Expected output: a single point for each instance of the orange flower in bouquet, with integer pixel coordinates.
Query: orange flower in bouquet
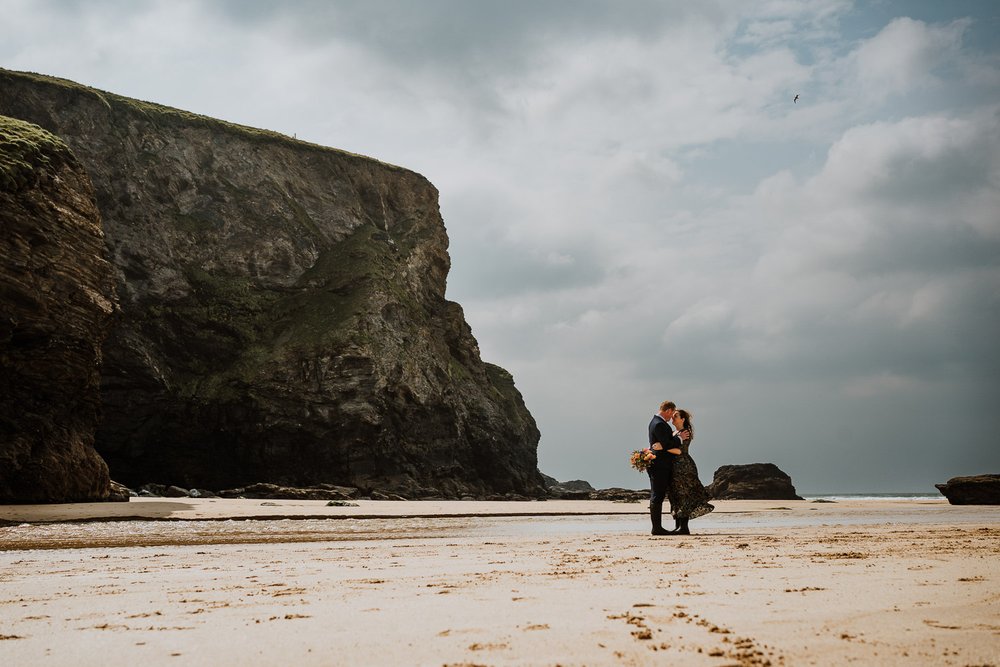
(642, 459)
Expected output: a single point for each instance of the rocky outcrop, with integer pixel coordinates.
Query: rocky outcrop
(554, 484)
(579, 489)
(576, 485)
(119, 493)
(284, 317)
(576, 489)
(755, 481)
(973, 490)
(56, 303)
(620, 495)
(273, 491)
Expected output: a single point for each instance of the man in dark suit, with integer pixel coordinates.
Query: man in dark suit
(666, 446)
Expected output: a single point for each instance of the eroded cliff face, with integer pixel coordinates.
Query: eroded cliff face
(56, 303)
(283, 311)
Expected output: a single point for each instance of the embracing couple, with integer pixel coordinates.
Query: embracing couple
(673, 474)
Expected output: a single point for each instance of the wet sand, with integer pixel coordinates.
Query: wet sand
(220, 582)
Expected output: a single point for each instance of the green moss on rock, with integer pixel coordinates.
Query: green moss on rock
(25, 151)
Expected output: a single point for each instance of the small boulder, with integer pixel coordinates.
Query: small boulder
(119, 493)
(972, 490)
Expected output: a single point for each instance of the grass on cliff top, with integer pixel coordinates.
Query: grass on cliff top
(166, 114)
(24, 149)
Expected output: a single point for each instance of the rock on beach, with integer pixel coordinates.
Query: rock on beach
(972, 490)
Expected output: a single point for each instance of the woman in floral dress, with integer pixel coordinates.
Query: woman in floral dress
(688, 498)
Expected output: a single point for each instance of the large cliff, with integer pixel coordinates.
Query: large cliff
(283, 311)
(56, 303)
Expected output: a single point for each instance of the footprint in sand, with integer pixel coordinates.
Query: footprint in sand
(488, 646)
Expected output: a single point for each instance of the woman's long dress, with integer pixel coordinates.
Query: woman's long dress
(688, 498)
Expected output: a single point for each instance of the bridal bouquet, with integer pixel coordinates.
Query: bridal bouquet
(642, 458)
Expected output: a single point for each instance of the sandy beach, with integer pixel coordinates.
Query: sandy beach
(249, 582)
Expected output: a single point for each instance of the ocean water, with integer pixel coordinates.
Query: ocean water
(872, 496)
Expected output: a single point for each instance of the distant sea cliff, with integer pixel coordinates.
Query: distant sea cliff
(282, 311)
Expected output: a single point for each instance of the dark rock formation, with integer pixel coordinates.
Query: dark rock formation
(576, 485)
(274, 492)
(56, 302)
(284, 317)
(579, 489)
(378, 495)
(576, 489)
(565, 494)
(973, 490)
(549, 481)
(119, 493)
(620, 495)
(755, 481)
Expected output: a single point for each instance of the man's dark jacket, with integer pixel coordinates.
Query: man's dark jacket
(660, 431)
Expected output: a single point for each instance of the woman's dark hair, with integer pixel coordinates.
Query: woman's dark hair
(686, 416)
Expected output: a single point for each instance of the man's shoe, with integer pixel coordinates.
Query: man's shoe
(655, 517)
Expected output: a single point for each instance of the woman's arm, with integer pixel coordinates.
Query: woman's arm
(673, 450)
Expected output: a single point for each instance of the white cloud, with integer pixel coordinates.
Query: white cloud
(906, 54)
(890, 159)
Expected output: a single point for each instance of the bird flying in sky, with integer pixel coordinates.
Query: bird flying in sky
(796, 99)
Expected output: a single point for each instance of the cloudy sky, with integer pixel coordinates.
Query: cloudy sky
(637, 209)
